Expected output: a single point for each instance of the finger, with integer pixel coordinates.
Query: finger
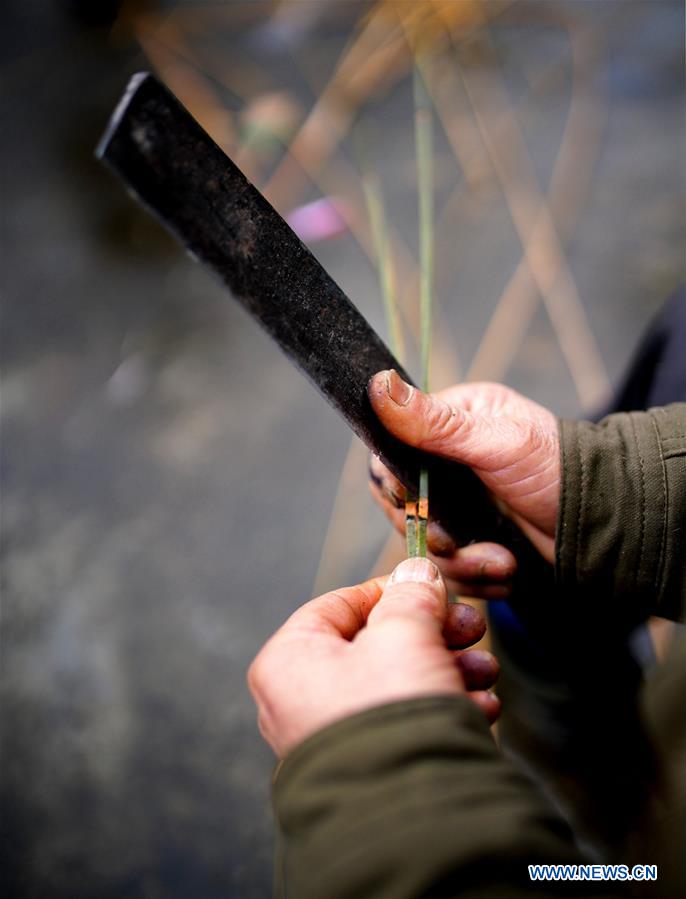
(464, 625)
(389, 486)
(415, 594)
(479, 668)
(391, 495)
(475, 590)
(438, 541)
(481, 563)
(488, 703)
(428, 422)
(341, 613)
(449, 563)
(481, 570)
(395, 514)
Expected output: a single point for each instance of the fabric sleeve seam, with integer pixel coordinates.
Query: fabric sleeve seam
(562, 522)
(641, 466)
(660, 574)
(580, 510)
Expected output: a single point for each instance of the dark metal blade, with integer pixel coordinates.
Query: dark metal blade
(175, 169)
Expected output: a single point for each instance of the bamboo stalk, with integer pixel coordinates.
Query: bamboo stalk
(424, 149)
(417, 510)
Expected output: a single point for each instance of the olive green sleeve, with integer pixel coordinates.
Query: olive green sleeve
(622, 521)
(413, 799)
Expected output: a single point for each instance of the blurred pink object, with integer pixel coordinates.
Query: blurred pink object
(319, 220)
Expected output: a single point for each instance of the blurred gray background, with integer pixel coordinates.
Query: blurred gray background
(172, 487)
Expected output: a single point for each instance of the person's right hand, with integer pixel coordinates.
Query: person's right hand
(509, 441)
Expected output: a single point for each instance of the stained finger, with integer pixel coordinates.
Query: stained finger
(395, 514)
(479, 589)
(389, 486)
(488, 703)
(481, 563)
(476, 590)
(439, 541)
(464, 626)
(478, 667)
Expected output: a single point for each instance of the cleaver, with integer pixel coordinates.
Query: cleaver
(172, 166)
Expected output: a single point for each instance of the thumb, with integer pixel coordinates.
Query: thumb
(415, 595)
(429, 423)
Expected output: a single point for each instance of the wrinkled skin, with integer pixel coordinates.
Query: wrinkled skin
(398, 638)
(509, 441)
(386, 640)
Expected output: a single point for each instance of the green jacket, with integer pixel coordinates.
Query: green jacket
(414, 799)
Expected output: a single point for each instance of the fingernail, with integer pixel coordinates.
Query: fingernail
(397, 389)
(418, 571)
(375, 479)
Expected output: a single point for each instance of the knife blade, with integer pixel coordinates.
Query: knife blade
(178, 172)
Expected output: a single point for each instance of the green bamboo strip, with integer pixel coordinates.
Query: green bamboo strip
(414, 536)
(417, 504)
(412, 531)
(424, 152)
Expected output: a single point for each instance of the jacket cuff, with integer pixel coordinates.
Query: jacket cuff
(402, 797)
(618, 530)
(325, 757)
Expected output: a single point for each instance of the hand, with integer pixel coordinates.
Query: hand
(382, 641)
(510, 442)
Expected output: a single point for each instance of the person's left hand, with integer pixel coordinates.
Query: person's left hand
(382, 641)
(479, 570)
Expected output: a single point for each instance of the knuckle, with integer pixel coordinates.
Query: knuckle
(257, 673)
(539, 434)
(441, 423)
(531, 433)
(267, 726)
(377, 470)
